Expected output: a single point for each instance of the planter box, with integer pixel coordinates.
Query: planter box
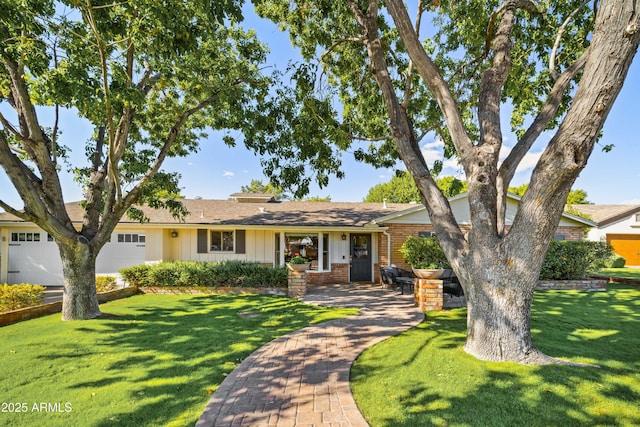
(299, 267)
(424, 273)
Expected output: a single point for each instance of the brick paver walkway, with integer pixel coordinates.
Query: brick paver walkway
(302, 379)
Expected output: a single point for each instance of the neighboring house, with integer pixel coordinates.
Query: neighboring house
(346, 242)
(618, 225)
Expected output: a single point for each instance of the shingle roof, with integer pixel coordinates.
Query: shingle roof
(232, 212)
(606, 214)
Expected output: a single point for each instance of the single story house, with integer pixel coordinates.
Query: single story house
(618, 225)
(345, 242)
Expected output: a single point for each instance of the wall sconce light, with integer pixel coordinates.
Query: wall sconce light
(174, 233)
(344, 236)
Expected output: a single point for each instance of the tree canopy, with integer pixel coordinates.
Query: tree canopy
(257, 186)
(402, 189)
(150, 81)
(575, 197)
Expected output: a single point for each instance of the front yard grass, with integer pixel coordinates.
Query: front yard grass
(153, 360)
(623, 273)
(424, 378)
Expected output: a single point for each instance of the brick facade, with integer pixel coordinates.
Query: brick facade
(400, 232)
(297, 284)
(339, 274)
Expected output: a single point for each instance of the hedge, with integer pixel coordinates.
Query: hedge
(574, 259)
(13, 297)
(208, 274)
(106, 283)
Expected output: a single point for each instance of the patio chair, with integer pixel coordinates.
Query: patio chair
(450, 283)
(396, 277)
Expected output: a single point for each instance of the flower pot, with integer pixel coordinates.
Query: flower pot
(299, 267)
(424, 273)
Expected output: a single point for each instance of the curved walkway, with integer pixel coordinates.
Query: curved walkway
(302, 379)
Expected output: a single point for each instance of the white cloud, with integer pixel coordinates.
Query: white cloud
(432, 151)
(527, 163)
(228, 174)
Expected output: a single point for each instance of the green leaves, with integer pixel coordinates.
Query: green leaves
(402, 189)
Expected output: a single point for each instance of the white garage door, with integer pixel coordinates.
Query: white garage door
(34, 257)
(124, 250)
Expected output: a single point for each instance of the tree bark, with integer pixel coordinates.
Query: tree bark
(498, 317)
(498, 269)
(79, 300)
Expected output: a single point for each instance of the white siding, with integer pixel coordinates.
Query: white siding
(116, 255)
(33, 262)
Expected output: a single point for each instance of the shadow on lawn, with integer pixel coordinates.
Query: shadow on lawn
(457, 389)
(171, 361)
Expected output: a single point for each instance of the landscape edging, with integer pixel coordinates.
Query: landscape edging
(27, 313)
(223, 290)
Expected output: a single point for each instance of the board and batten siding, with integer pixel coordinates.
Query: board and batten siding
(250, 245)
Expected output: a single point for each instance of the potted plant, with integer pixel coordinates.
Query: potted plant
(298, 263)
(425, 256)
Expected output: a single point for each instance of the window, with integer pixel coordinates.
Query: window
(221, 241)
(131, 238)
(308, 246)
(25, 237)
(426, 234)
(638, 217)
(325, 252)
(559, 236)
(277, 248)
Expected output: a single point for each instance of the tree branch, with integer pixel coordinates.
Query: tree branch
(34, 140)
(23, 179)
(404, 136)
(432, 77)
(552, 60)
(132, 196)
(409, 72)
(610, 55)
(541, 121)
(113, 170)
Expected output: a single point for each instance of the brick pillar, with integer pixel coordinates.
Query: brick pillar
(428, 294)
(297, 284)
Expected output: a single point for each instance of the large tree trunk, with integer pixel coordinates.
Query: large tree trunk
(498, 321)
(79, 300)
(499, 285)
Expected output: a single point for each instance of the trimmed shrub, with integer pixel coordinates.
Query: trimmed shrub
(424, 252)
(574, 259)
(13, 297)
(106, 283)
(208, 274)
(615, 261)
(137, 275)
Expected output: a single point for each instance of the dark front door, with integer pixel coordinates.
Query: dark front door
(361, 258)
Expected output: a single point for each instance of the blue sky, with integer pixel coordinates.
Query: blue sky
(610, 178)
(216, 170)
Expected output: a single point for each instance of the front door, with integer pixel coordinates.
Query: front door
(361, 258)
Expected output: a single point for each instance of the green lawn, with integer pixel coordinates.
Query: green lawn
(424, 378)
(625, 273)
(154, 360)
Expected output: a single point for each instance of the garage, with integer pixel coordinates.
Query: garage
(627, 246)
(124, 250)
(33, 256)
